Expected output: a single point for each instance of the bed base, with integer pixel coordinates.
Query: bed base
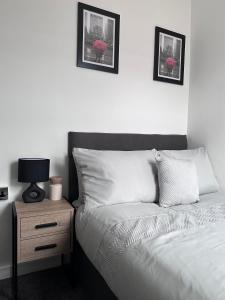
(93, 283)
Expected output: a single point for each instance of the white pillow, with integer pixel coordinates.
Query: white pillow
(178, 182)
(111, 177)
(206, 178)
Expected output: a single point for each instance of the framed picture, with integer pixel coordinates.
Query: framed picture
(98, 39)
(169, 56)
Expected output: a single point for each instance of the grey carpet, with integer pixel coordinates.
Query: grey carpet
(53, 284)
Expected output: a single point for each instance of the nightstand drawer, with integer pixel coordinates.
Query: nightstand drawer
(45, 224)
(44, 246)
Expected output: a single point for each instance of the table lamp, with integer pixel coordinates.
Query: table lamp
(33, 170)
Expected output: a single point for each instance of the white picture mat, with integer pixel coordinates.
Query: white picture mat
(87, 13)
(161, 39)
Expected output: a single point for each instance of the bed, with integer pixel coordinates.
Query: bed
(142, 251)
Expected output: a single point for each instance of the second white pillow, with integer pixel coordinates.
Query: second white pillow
(206, 178)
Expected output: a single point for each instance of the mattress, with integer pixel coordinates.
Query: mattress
(147, 252)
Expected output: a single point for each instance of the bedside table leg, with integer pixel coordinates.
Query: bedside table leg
(15, 285)
(62, 260)
(14, 255)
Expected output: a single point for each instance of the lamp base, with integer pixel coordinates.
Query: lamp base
(33, 194)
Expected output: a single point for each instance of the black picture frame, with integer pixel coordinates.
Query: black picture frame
(169, 56)
(92, 51)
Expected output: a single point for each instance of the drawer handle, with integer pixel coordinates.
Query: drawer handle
(39, 226)
(45, 247)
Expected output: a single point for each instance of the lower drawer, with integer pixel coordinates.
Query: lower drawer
(42, 247)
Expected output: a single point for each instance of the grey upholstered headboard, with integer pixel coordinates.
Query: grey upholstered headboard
(117, 141)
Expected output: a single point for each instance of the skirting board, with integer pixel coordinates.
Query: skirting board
(25, 268)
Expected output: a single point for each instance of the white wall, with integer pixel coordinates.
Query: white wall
(44, 95)
(206, 125)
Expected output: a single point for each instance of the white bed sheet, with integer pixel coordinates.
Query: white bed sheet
(145, 252)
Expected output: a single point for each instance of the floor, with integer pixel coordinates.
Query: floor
(45, 285)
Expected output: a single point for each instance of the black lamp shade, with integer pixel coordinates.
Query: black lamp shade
(33, 170)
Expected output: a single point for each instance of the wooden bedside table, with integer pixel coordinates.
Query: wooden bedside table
(41, 230)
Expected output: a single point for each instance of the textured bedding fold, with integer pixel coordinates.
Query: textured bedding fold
(147, 252)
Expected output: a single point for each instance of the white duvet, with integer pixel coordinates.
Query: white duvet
(145, 252)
